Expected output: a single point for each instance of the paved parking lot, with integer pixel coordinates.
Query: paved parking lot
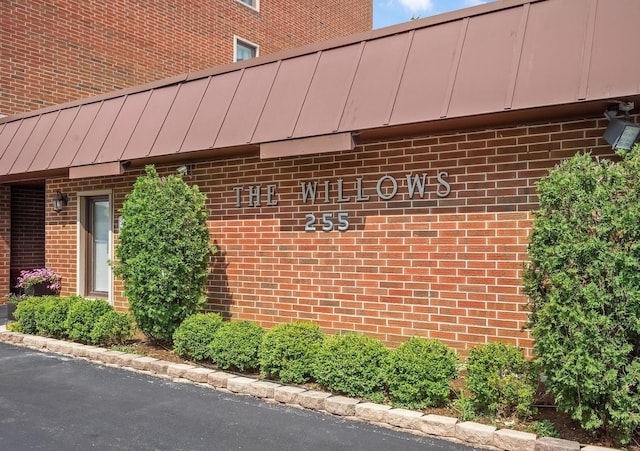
(51, 402)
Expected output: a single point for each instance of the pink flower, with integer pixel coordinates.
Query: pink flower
(31, 277)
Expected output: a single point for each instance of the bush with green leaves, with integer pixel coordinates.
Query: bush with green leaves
(352, 364)
(288, 350)
(52, 316)
(112, 328)
(163, 252)
(419, 373)
(26, 313)
(236, 345)
(193, 337)
(500, 381)
(583, 283)
(544, 428)
(82, 317)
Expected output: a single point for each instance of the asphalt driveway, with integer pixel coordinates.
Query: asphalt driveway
(51, 402)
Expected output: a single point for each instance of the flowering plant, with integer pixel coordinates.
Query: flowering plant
(31, 277)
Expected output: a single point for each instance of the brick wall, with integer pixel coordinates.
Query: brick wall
(5, 241)
(54, 52)
(444, 267)
(27, 229)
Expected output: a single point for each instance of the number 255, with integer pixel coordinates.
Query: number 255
(327, 222)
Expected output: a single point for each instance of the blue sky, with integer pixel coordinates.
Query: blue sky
(391, 12)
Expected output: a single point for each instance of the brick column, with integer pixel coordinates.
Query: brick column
(5, 241)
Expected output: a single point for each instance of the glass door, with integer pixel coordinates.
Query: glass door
(98, 228)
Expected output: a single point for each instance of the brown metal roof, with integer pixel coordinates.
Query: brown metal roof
(507, 56)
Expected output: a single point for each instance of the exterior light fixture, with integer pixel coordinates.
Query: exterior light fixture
(621, 133)
(60, 201)
(185, 170)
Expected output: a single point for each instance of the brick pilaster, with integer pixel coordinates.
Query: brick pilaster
(5, 241)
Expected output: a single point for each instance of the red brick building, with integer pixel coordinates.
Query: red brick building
(57, 51)
(380, 183)
(53, 52)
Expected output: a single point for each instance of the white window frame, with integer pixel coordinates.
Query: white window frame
(246, 42)
(81, 264)
(255, 4)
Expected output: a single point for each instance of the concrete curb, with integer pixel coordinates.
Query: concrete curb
(474, 434)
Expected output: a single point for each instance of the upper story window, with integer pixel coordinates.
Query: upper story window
(243, 50)
(254, 4)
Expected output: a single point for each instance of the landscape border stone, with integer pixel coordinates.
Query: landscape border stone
(263, 389)
(240, 384)
(341, 405)
(312, 399)
(475, 434)
(405, 419)
(438, 425)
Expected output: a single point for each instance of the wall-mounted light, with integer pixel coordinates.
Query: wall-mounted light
(185, 170)
(621, 133)
(60, 201)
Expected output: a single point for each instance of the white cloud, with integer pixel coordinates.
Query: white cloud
(417, 6)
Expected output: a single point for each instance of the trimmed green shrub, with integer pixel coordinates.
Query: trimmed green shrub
(500, 381)
(82, 317)
(236, 345)
(52, 316)
(352, 364)
(26, 313)
(583, 282)
(111, 328)
(288, 350)
(193, 337)
(163, 252)
(419, 373)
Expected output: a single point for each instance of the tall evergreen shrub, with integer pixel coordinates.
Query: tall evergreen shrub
(163, 252)
(583, 281)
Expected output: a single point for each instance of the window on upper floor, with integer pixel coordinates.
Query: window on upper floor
(253, 4)
(243, 49)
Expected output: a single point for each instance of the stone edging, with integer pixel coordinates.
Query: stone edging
(468, 432)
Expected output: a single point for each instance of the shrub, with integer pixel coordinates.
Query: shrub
(288, 350)
(544, 428)
(27, 312)
(53, 314)
(583, 282)
(111, 328)
(352, 364)
(463, 405)
(82, 317)
(500, 380)
(163, 252)
(236, 345)
(193, 337)
(419, 373)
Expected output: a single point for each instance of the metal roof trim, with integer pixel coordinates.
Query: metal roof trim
(96, 170)
(337, 142)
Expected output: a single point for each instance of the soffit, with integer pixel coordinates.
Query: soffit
(496, 59)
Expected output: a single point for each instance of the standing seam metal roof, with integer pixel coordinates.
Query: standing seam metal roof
(505, 56)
